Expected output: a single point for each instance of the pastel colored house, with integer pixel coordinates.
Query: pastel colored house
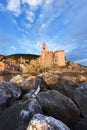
(2, 66)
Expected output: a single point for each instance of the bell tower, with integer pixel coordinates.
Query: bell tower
(43, 48)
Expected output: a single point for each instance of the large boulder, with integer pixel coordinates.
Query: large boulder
(70, 78)
(28, 95)
(56, 82)
(80, 97)
(32, 92)
(9, 92)
(59, 106)
(82, 78)
(81, 124)
(25, 85)
(18, 79)
(76, 67)
(41, 122)
(30, 77)
(18, 115)
(75, 77)
(43, 85)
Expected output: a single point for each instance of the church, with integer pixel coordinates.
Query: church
(49, 58)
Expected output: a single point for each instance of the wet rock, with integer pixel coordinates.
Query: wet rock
(80, 97)
(55, 82)
(82, 78)
(25, 85)
(70, 78)
(18, 79)
(28, 94)
(18, 115)
(43, 85)
(81, 125)
(31, 77)
(9, 92)
(41, 122)
(59, 106)
(76, 77)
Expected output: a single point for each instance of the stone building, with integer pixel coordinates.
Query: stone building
(9, 64)
(2, 66)
(1, 57)
(49, 58)
(21, 60)
(10, 61)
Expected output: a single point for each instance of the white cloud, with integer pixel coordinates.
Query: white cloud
(13, 48)
(31, 10)
(37, 45)
(9, 49)
(43, 26)
(50, 45)
(49, 1)
(55, 8)
(14, 7)
(51, 10)
(32, 3)
(30, 16)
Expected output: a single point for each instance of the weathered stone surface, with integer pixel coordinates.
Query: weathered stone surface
(43, 85)
(76, 78)
(18, 115)
(25, 68)
(9, 92)
(33, 92)
(55, 82)
(81, 125)
(82, 78)
(31, 78)
(25, 85)
(80, 97)
(59, 106)
(19, 80)
(70, 78)
(41, 122)
(28, 95)
(76, 67)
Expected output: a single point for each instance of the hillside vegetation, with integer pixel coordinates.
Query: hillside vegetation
(25, 56)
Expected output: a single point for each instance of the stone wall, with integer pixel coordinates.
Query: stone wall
(59, 58)
(47, 59)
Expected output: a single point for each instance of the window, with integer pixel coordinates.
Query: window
(55, 60)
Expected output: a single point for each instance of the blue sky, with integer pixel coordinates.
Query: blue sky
(61, 24)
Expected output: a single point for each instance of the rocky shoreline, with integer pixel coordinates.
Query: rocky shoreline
(48, 101)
